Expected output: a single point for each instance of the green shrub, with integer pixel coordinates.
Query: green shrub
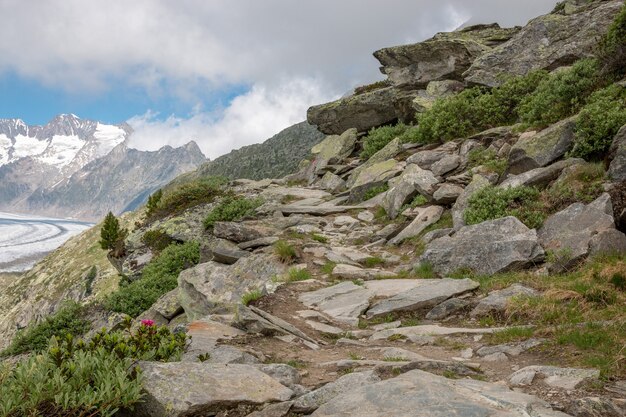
(599, 121)
(581, 183)
(473, 110)
(157, 278)
(89, 279)
(286, 253)
(188, 195)
(78, 378)
(613, 47)
(156, 240)
(373, 192)
(492, 203)
(379, 137)
(68, 320)
(231, 209)
(560, 95)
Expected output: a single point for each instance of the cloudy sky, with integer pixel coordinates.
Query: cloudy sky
(225, 73)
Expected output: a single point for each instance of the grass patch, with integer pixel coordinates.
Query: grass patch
(328, 267)
(251, 296)
(424, 270)
(285, 252)
(373, 192)
(319, 238)
(493, 202)
(373, 261)
(188, 195)
(512, 334)
(298, 274)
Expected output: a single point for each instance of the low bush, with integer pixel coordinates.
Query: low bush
(373, 192)
(599, 121)
(89, 279)
(157, 278)
(379, 137)
(487, 158)
(492, 203)
(78, 378)
(187, 195)
(231, 209)
(561, 94)
(156, 240)
(613, 47)
(68, 320)
(153, 202)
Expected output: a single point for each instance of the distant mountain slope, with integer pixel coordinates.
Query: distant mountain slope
(81, 168)
(274, 158)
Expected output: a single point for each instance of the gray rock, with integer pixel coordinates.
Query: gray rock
(426, 217)
(445, 165)
(571, 230)
(617, 168)
(563, 39)
(283, 373)
(541, 149)
(539, 176)
(353, 272)
(436, 234)
(344, 302)
(421, 393)
(255, 320)
(183, 388)
(273, 410)
(241, 232)
(227, 254)
(486, 248)
(332, 183)
(458, 209)
(257, 243)
(204, 336)
(566, 378)
(596, 407)
(414, 333)
(447, 308)
(334, 149)
(425, 159)
(510, 349)
(401, 194)
(213, 288)
(342, 386)
(168, 305)
(608, 242)
(389, 151)
(427, 295)
(496, 301)
(316, 210)
(447, 193)
(372, 177)
(444, 57)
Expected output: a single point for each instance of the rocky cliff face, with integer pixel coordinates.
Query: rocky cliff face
(81, 168)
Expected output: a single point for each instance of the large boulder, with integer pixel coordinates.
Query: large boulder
(547, 42)
(535, 150)
(617, 169)
(487, 248)
(389, 151)
(413, 180)
(333, 150)
(361, 111)
(573, 232)
(444, 57)
(428, 295)
(419, 393)
(212, 287)
(373, 176)
(186, 388)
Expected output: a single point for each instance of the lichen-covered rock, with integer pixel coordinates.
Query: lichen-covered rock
(412, 181)
(332, 183)
(388, 152)
(436, 90)
(362, 111)
(373, 176)
(426, 217)
(168, 305)
(547, 42)
(486, 248)
(184, 388)
(333, 150)
(447, 193)
(569, 233)
(537, 150)
(241, 232)
(539, 176)
(566, 378)
(213, 288)
(444, 57)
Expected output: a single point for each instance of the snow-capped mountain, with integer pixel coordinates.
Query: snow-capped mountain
(40, 162)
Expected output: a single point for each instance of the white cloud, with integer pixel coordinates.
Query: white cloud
(170, 48)
(250, 118)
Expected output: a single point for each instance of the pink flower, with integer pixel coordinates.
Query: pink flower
(147, 323)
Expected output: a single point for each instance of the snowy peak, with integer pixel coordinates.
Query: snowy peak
(67, 142)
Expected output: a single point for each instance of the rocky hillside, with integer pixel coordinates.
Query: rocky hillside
(470, 261)
(79, 168)
(274, 158)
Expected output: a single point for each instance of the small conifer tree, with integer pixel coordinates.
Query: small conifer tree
(112, 236)
(153, 202)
